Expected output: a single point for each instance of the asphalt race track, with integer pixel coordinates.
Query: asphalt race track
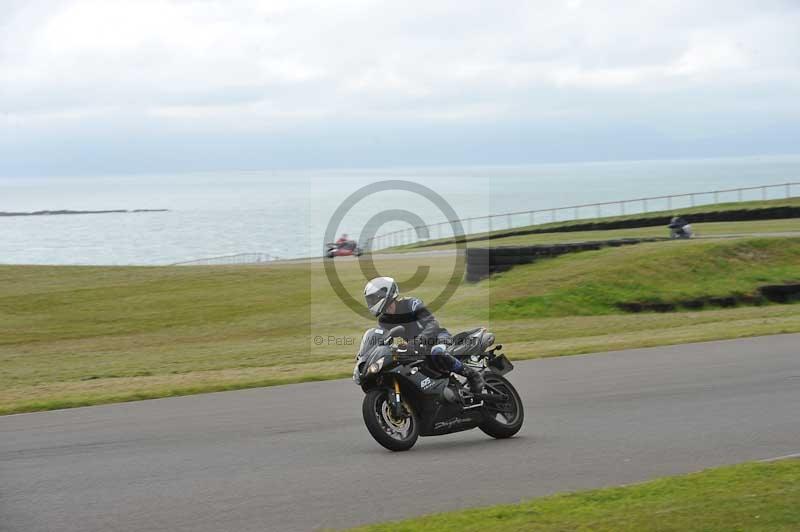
(298, 457)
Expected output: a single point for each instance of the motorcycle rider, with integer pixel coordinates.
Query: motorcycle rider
(344, 242)
(677, 222)
(422, 330)
(678, 226)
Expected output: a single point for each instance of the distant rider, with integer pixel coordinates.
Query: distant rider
(344, 242)
(679, 227)
(422, 331)
(677, 222)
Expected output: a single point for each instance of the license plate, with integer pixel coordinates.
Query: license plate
(501, 364)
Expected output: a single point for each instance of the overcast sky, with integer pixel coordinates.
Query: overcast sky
(113, 86)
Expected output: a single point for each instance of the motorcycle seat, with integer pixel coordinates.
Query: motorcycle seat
(471, 342)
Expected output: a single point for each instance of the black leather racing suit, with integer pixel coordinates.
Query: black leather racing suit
(422, 331)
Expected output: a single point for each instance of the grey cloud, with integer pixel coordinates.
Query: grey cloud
(270, 74)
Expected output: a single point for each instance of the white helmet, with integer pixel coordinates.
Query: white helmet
(379, 293)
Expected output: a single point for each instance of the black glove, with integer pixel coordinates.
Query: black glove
(424, 345)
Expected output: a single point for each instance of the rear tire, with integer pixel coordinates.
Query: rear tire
(502, 424)
(395, 435)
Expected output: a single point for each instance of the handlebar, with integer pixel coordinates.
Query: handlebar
(407, 355)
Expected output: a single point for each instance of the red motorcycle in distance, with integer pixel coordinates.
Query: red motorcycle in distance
(344, 249)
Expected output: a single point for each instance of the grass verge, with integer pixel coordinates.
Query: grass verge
(662, 273)
(753, 496)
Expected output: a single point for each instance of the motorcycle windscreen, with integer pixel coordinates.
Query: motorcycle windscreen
(370, 339)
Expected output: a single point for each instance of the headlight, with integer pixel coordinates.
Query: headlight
(376, 366)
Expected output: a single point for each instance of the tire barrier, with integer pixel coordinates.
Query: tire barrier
(483, 262)
(778, 293)
(781, 293)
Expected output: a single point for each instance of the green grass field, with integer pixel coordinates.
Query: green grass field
(755, 496)
(86, 335)
(664, 272)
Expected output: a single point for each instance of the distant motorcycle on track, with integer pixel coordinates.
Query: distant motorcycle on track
(679, 228)
(406, 398)
(346, 249)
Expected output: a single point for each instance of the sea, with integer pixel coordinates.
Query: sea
(292, 213)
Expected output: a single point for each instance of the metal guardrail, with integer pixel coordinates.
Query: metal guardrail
(239, 258)
(575, 212)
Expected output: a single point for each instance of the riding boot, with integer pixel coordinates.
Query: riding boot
(474, 379)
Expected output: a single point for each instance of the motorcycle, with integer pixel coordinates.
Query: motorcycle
(684, 231)
(679, 227)
(332, 249)
(406, 398)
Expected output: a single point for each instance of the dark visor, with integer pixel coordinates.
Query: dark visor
(373, 299)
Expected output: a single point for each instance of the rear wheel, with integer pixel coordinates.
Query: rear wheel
(396, 434)
(503, 419)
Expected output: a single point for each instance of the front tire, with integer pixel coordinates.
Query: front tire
(394, 434)
(503, 420)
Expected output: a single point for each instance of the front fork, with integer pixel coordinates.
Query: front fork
(397, 404)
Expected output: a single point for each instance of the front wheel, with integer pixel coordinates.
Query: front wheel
(503, 420)
(393, 433)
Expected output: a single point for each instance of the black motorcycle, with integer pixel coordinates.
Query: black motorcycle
(407, 398)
